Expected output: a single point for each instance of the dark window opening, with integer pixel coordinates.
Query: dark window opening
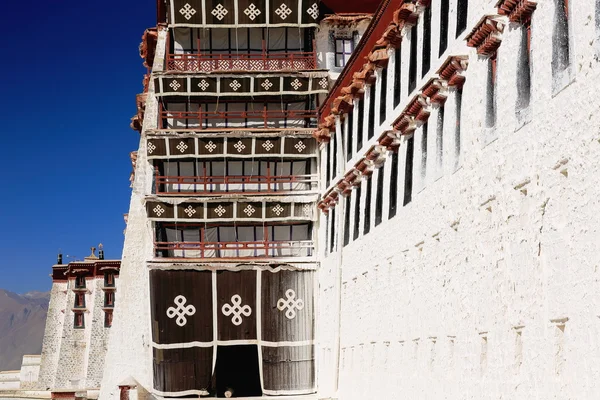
(383, 97)
(440, 138)
(371, 127)
(357, 214)
(332, 232)
(109, 279)
(393, 186)
(343, 51)
(349, 126)
(444, 12)
(560, 37)
(108, 317)
(80, 281)
(424, 151)
(79, 300)
(360, 124)
(408, 170)
(398, 75)
(426, 42)
(347, 221)
(412, 68)
(109, 299)
(490, 104)
(334, 166)
(367, 227)
(461, 17)
(78, 320)
(237, 371)
(328, 165)
(457, 126)
(379, 196)
(524, 75)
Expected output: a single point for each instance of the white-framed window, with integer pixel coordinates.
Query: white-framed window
(343, 50)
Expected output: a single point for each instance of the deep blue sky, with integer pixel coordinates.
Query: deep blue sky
(70, 71)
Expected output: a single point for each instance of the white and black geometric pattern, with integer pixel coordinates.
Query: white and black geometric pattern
(283, 11)
(181, 311)
(252, 12)
(219, 12)
(236, 309)
(187, 11)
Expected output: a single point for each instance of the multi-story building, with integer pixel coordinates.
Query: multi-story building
(458, 242)
(220, 256)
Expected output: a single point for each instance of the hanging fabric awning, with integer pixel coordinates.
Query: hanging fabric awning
(243, 13)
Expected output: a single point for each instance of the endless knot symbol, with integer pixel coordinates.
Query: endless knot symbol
(239, 146)
(249, 210)
(323, 83)
(158, 210)
(300, 146)
(151, 147)
(203, 85)
(236, 309)
(266, 84)
(278, 209)
(290, 303)
(187, 11)
(182, 146)
(313, 11)
(235, 85)
(210, 146)
(268, 145)
(296, 84)
(181, 311)
(306, 209)
(283, 11)
(220, 210)
(219, 12)
(189, 211)
(252, 12)
(175, 85)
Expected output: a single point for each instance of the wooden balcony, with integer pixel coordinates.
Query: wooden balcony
(202, 120)
(236, 250)
(298, 61)
(210, 185)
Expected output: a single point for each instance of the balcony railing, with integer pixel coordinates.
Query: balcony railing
(242, 62)
(238, 119)
(185, 185)
(236, 250)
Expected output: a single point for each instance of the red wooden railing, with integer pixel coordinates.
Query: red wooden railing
(219, 184)
(263, 248)
(257, 118)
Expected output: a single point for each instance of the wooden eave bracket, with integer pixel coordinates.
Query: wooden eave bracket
(342, 104)
(392, 37)
(519, 11)
(409, 13)
(487, 35)
(390, 140)
(322, 135)
(419, 108)
(452, 70)
(405, 124)
(436, 90)
(379, 57)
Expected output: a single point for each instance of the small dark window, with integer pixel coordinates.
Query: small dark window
(109, 279)
(379, 196)
(457, 126)
(524, 74)
(412, 68)
(490, 104)
(78, 320)
(393, 186)
(440, 138)
(108, 317)
(367, 227)
(350, 119)
(408, 170)
(343, 51)
(360, 124)
(80, 300)
(328, 164)
(383, 96)
(357, 214)
(332, 231)
(80, 281)
(347, 220)
(426, 41)
(371, 127)
(334, 166)
(424, 151)
(461, 17)
(560, 37)
(109, 299)
(445, 7)
(397, 75)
